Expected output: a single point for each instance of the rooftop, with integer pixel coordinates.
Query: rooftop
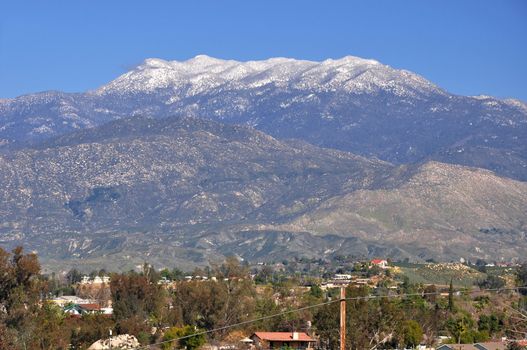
(283, 336)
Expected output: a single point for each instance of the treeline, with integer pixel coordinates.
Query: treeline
(156, 312)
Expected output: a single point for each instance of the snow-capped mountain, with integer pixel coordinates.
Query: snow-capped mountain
(203, 74)
(350, 104)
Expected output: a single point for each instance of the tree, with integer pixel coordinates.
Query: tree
(88, 329)
(431, 293)
(522, 278)
(491, 282)
(135, 298)
(326, 323)
(316, 291)
(460, 328)
(264, 275)
(48, 332)
(26, 320)
(412, 333)
(213, 304)
(73, 276)
(451, 306)
(370, 322)
(490, 323)
(232, 268)
(189, 341)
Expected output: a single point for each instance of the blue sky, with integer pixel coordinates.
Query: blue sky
(468, 47)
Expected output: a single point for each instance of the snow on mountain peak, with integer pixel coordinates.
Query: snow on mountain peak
(204, 60)
(155, 63)
(349, 60)
(202, 73)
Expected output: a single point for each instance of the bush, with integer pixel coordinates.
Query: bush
(491, 282)
(189, 342)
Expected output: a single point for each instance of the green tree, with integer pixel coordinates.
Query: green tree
(49, 330)
(522, 278)
(491, 282)
(316, 291)
(490, 323)
(213, 304)
(460, 328)
(264, 275)
(326, 324)
(136, 298)
(451, 306)
(232, 268)
(88, 329)
(182, 337)
(412, 333)
(431, 293)
(20, 290)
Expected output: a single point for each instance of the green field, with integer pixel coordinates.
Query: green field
(441, 274)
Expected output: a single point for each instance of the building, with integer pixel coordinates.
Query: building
(342, 276)
(86, 309)
(69, 299)
(95, 280)
(496, 345)
(383, 264)
(277, 340)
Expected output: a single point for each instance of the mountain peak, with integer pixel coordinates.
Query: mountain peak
(350, 60)
(203, 73)
(155, 63)
(204, 60)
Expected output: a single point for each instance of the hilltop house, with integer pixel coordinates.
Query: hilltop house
(277, 340)
(383, 264)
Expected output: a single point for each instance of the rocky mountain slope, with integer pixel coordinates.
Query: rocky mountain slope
(350, 104)
(450, 210)
(184, 191)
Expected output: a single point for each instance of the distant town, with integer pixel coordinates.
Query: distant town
(292, 304)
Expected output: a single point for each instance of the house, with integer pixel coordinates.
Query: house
(383, 264)
(496, 345)
(69, 299)
(84, 309)
(277, 340)
(342, 276)
(334, 284)
(95, 280)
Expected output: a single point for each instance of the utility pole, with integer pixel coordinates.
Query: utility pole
(342, 318)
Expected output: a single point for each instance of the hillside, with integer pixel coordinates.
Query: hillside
(449, 210)
(188, 191)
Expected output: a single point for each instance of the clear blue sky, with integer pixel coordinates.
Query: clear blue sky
(468, 47)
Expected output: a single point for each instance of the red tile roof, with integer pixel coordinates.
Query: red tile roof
(377, 261)
(90, 307)
(283, 336)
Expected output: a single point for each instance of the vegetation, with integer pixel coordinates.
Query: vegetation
(170, 313)
(189, 341)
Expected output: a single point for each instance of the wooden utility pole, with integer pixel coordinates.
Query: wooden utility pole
(342, 318)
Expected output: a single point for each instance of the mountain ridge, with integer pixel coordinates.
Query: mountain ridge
(186, 191)
(155, 74)
(351, 104)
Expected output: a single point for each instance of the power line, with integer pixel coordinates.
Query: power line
(369, 297)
